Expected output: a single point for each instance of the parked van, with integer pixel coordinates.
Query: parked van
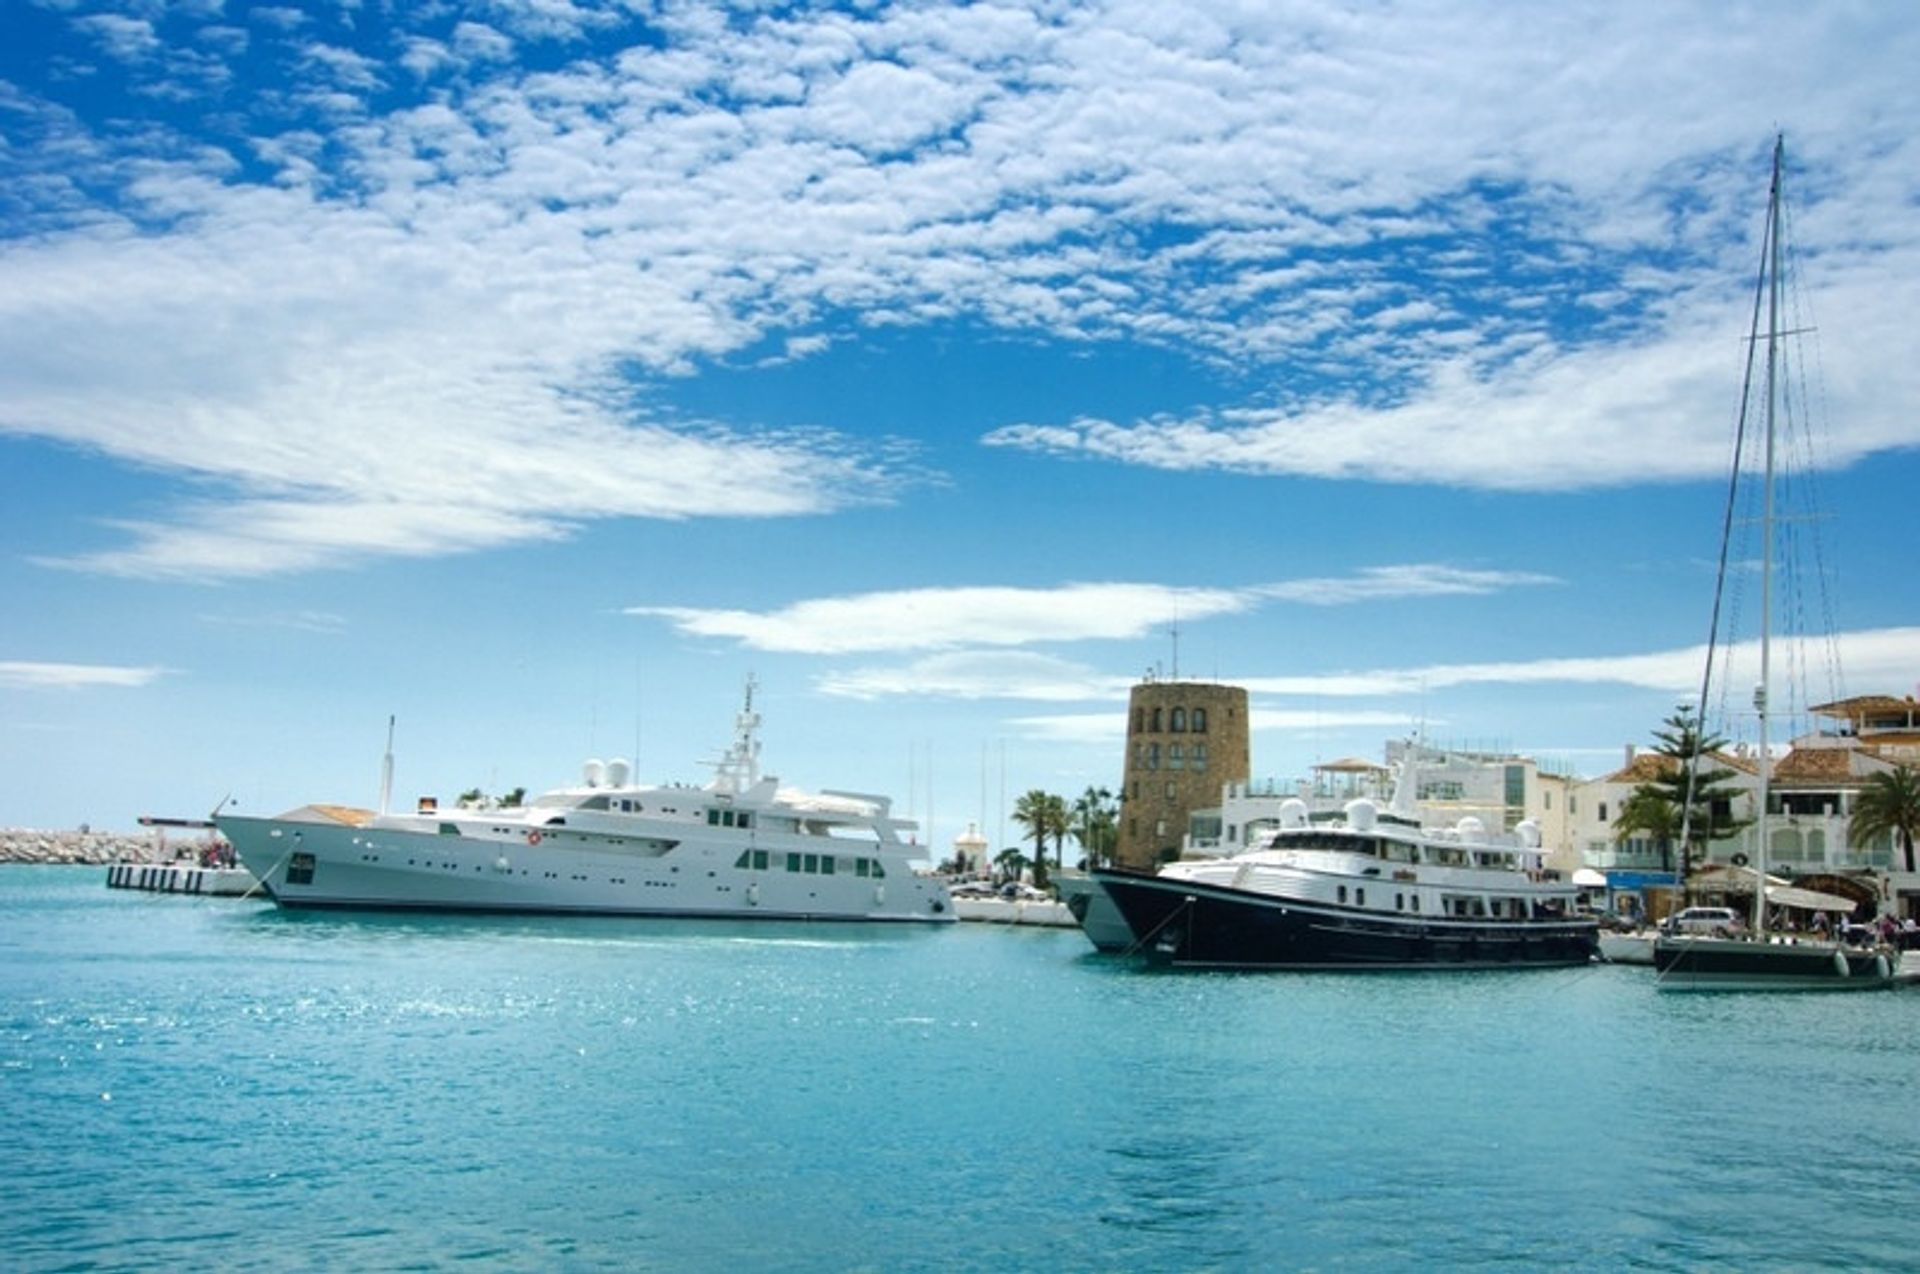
(1718, 921)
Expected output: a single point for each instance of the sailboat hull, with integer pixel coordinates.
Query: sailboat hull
(1733, 964)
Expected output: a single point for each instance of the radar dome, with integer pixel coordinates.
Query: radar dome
(1293, 812)
(593, 772)
(618, 772)
(1361, 814)
(1529, 833)
(1471, 830)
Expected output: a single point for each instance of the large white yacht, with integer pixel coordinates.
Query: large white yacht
(740, 847)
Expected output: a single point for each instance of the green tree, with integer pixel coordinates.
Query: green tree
(512, 799)
(1889, 805)
(1043, 815)
(1096, 825)
(1658, 808)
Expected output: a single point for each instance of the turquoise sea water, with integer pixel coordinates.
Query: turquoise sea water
(204, 1083)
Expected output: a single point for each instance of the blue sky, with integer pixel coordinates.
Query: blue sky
(534, 372)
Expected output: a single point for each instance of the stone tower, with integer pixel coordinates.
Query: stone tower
(1185, 741)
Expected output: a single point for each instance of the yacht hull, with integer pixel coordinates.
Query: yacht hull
(1195, 925)
(1093, 910)
(1733, 964)
(323, 865)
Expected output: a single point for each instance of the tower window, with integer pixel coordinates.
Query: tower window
(1177, 721)
(1199, 720)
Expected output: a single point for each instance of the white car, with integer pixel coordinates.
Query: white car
(1718, 921)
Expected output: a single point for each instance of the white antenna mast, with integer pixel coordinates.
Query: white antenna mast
(386, 770)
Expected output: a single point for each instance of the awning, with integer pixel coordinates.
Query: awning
(1808, 899)
(1588, 878)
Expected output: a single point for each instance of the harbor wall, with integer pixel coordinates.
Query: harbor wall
(27, 845)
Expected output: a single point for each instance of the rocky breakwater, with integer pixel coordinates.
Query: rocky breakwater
(25, 845)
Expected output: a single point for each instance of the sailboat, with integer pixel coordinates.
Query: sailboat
(1755, 960)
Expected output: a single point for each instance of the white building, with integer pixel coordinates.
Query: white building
(1812, 789)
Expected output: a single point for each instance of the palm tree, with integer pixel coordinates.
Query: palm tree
(1011, 862)
(1096, 824)
(1649, 812)
(1659, 807)
(1889, 805)
(1042, 814)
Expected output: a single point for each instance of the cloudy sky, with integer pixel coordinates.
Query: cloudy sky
(535, 371)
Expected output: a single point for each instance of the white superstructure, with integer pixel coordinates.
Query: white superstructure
(739, 847)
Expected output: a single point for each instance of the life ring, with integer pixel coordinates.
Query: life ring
(533, 838)
(1738, 860)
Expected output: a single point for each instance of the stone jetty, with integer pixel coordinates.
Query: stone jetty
(26, 845)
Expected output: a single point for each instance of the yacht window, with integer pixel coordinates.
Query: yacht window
(746, 858)
(1343, 893)
(878, 870)
(1399, 902)
(826, 864)
(1416, 902)
(859, 866)
(594, 803)
(793, 862)
(760, 860)
(449, 829)
(812, 867)
(1360, 896)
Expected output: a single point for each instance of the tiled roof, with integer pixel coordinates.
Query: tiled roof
(1861, 705)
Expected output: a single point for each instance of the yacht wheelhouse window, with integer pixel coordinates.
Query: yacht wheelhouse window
(826, 864)
(793, 862)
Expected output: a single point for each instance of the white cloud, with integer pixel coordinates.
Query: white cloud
(1414, 580)
(20, 675)
(414, 347)
(127, 39)
(974, 674)
(1877, 657)
(939, 618)
(945, 618)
